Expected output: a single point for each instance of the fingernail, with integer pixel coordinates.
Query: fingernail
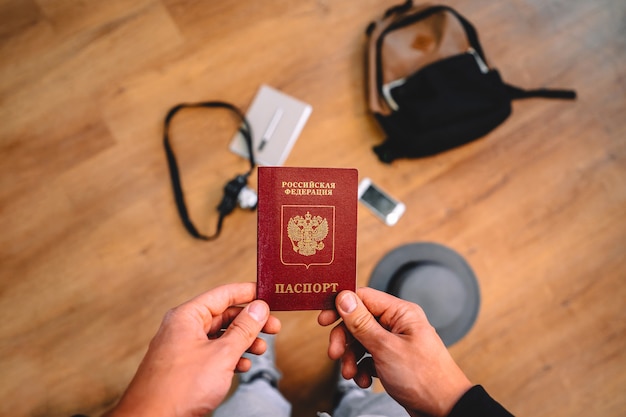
(348, 302)
(258, 311)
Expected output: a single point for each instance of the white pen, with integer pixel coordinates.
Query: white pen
(267, 135)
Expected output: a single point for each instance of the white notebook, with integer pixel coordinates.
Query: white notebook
(276, 120)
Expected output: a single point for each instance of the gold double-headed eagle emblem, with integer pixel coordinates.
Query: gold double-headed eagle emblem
(307, 233)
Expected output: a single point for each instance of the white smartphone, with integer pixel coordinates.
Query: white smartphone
(384, 206)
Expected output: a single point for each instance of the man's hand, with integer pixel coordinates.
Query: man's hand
(191, 361)
(407, 355)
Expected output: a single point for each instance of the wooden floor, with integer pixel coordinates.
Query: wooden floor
(92, 252)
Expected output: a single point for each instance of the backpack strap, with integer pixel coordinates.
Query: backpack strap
(470, 31)
(472, 37)
(400, 8)
(517, 93)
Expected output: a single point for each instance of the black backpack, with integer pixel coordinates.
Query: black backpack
(429, 85)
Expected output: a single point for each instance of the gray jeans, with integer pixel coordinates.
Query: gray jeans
(260, 399)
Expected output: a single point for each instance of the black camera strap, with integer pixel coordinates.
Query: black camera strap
(231, 189)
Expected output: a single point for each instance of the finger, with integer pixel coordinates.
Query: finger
(363, 379)
(327, 317)
(343, 346)
(243, 365)
(351, 358)
(395, 315)
(377, 302)
(360, 322)
(218, 300)
(245, 328)
(222, 321)
(348, 370)
(341, 341)
(258, 347)
(337, 342)
(338, 349)
(272, 326)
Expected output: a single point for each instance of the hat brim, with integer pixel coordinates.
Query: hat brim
(438, 279)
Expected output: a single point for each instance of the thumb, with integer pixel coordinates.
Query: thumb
(246, 327)
(359, 321)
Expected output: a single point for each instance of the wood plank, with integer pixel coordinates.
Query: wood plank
(92, 252)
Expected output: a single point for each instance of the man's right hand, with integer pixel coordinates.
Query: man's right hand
(407, 355)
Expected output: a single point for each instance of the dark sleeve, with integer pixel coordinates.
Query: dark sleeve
(476, 402)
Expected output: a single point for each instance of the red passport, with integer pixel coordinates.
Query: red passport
(307, 222)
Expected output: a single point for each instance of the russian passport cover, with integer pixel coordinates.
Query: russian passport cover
(307, 222)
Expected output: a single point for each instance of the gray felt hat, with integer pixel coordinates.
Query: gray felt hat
(436, 278)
